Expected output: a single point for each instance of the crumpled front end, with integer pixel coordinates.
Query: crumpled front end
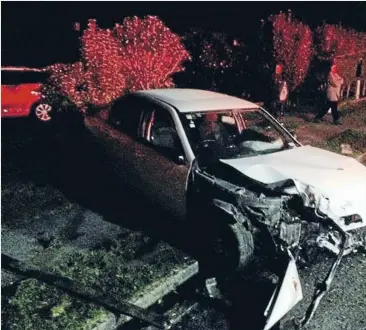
(296, 222)
(287, 218)
(337, 215)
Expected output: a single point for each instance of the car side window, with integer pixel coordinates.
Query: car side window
(125, 116)
(160, 132)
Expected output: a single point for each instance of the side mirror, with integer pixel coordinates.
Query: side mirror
(207, 153)
(180, 160)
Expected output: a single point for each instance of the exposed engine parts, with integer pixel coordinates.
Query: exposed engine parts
(286, 219)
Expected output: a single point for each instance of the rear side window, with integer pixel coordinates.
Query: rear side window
(125, 115)
(19, 77)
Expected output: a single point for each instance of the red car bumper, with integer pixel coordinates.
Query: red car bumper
(9, 111)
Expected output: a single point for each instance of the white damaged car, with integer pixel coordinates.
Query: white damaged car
(225, 162)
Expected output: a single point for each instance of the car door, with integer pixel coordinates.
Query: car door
(116, 132)
(161, 163)
(157, 171)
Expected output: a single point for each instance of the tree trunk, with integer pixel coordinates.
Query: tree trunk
(364, 88)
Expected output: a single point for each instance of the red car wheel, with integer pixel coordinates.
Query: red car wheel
(42, 112)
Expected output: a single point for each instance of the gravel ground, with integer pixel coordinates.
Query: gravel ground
(345, 304)
(36, 188)
(342, 308)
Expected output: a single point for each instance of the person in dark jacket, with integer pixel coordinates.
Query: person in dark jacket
(335, 82)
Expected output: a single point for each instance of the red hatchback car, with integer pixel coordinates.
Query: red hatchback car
(21, 94)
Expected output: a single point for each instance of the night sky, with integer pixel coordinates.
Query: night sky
(41, 33)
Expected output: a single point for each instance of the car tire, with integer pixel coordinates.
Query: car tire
(42, 112)
(230, 249)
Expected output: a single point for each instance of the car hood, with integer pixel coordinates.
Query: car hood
(339, 179)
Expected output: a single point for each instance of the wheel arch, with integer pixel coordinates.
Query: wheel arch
(230, 213)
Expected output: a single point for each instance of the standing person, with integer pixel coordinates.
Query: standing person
(279, 92)
(335, 82)
(283, 96)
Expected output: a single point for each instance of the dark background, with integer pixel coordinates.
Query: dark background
(41, 33)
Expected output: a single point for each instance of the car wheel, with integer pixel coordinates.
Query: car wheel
(42, 112)
(231, 249)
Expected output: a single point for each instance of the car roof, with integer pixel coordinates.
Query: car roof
(20, 69)
(196, 100)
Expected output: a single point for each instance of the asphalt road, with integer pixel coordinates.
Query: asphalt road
(57, 171)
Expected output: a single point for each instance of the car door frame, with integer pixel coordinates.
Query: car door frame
(187, 150)
(107, 128)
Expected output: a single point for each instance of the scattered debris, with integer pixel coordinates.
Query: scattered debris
(212, 289)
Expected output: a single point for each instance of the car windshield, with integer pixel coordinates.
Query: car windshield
(22, 77)
(236, 133)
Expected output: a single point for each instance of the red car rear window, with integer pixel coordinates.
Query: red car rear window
(18, 78)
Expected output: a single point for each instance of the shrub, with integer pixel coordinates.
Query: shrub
(140, 53)
(343, 46)
(292, 46)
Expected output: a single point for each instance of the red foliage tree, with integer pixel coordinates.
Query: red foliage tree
(334, 40)
(292, 46)
(67, 80)
(103, 63)
(345, 47)
(142, 53)
(151, 53)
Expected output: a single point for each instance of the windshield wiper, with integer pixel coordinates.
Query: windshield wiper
(272, 150)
